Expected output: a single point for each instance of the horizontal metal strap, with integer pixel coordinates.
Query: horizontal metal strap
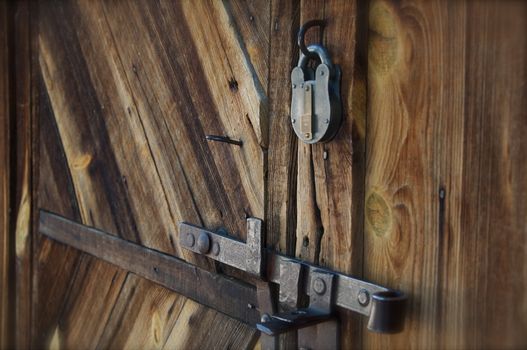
(229, 296)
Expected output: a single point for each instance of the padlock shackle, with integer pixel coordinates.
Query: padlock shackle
(316, 50)
(302, 32)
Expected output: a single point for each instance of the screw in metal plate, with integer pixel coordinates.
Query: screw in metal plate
(294, 121)
(307, 87)
(294, 86)
(203, 243)
(326, 121)
(190, 240)
(319, 286)
(363, 297)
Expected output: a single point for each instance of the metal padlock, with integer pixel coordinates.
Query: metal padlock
(316, 112)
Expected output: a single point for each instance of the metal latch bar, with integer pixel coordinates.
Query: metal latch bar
(384, 306)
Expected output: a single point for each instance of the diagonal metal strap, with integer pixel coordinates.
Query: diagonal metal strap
(229, 296)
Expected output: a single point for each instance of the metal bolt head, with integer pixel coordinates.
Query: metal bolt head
(307, 87)
(294, 86)
(265, 318)
(364, 297)
(326, 121)
(203, 243)
(190, 240)
(294, 121)
(215, 248)
(319, 286)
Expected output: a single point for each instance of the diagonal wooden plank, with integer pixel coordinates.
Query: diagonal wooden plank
(82, 314)
(108, 73)
(142, 308)
(54, 263)
(193, 330)
(252, 21)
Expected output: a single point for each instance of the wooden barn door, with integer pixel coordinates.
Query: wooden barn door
(129, 91)
(422, 190)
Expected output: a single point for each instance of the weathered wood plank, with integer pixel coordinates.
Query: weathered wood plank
(192, 330)
(281, 161)
(136, 114)
(6, 261)
(54, 263)
(331, 176)
(445, 202)
(94, 173)
(142, 317)
(22, 171)
(252, 19)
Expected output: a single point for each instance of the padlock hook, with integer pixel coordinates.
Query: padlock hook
(302, 32)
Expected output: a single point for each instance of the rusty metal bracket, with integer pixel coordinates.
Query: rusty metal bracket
(298, 280)
(243, 256)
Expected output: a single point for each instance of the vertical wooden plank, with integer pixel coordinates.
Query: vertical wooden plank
(6, 252)
(23, 190)
(281, 157)
(331, 176)
(445, 176)
(492, 239)
(281, 160)
(22, 196)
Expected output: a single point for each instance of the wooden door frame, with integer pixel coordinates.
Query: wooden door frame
(17, 126)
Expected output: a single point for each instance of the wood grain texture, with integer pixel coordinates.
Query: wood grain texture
(6, 251)
(325, 220)
(22, 169)
(281, 191)
(224, 294)
(253, 21)
(425, 192)
(445, 202)
(53, 262)
(330, 176)
(134, 88)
